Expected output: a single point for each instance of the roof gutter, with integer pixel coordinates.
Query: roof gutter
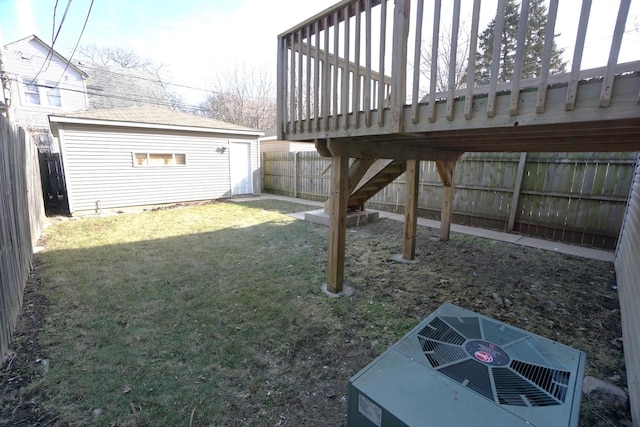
(55, 121)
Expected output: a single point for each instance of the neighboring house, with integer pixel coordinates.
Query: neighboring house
(270, 142)
(151, 155)
(114, 87)
(42, 82)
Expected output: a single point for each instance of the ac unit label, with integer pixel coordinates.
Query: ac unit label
(487, 353)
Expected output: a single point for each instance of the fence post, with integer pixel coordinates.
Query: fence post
(516, 192)
(295, 174)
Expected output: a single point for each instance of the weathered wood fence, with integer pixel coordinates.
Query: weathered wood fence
(570, 197)
(628, 274)
(21, 219)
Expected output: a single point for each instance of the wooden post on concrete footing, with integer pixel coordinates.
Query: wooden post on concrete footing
(445, 170)
(338, 223)
(411, 210)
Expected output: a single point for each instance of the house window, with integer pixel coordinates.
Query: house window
(53, 94)
(37, 93)
(31, 91)
(159, 159)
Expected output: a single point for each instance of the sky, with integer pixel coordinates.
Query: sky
(194, 39)
(197, 40)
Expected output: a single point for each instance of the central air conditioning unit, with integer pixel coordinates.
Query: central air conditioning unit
(459, 368)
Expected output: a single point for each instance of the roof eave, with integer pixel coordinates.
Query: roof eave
(55, 121)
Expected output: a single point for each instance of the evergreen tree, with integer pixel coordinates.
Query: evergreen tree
(534, 45)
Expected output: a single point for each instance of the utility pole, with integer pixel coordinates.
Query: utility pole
(5, 83)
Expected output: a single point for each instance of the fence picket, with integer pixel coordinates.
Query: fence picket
(573, 197)
(21, 219)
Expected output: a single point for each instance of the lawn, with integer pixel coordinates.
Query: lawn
(212, 314)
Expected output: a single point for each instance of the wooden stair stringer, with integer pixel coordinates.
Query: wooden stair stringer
(381, 173)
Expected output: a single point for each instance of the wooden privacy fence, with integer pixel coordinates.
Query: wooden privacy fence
(628, 275)
(21, 219)
(571, 197)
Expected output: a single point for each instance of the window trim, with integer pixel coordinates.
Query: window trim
(44, 90)
(52, 89)
(26, 83)
(148, 164)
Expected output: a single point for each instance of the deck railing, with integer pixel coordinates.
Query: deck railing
(361, 63)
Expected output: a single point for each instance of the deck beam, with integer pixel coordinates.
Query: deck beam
(387, 149)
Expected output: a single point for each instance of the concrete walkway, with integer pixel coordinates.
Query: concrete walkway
(517, 239)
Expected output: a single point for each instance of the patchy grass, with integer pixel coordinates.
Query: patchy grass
(212, 314)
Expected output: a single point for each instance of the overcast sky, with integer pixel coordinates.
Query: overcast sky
(196, 39)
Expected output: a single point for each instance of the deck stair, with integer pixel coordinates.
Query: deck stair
(369, 176)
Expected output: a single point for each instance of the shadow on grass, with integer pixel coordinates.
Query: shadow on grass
(215, 315)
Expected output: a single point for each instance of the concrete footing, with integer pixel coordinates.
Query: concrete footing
(353, 218)
(347, 291)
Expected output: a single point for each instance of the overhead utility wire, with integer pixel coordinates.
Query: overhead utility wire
(78, 42)
(53, 41)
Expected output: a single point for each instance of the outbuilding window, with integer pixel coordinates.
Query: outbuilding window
(159, 159)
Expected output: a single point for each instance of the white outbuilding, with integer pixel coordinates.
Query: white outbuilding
(150, 155)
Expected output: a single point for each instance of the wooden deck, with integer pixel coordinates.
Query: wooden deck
(334, 91)
(352, 80)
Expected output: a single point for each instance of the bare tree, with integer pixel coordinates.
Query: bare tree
(119, 57)
(443, 60)
(244, 96)
(126, 58)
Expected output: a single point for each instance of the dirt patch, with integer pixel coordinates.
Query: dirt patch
(568, 299)
(21, 398)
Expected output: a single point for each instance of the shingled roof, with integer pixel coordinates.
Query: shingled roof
(110, 87)
(152, 115)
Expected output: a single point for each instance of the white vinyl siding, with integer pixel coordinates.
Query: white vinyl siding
(288, 146)
(99, 167)
(58, 90)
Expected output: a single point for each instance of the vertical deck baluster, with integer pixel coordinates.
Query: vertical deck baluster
(547, 50)
(308, 100)
(336, 69)
(383, 42)
(326, 77)
(316, 78)
(345, 70)
(292, 95)
(517, 71)
(356, 73)
(471, 70)
(434, 61)
(396, 91)
(570, 102)
(417, 62)
(607, 83)
(282, 78)
(452, 59)
(495, 59)
(367, 73)
(300, 79)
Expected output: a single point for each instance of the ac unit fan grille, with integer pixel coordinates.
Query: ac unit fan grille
(531, 378)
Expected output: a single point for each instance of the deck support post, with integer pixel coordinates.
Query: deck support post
(338, 223)
(445, 170)
(411, 210)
